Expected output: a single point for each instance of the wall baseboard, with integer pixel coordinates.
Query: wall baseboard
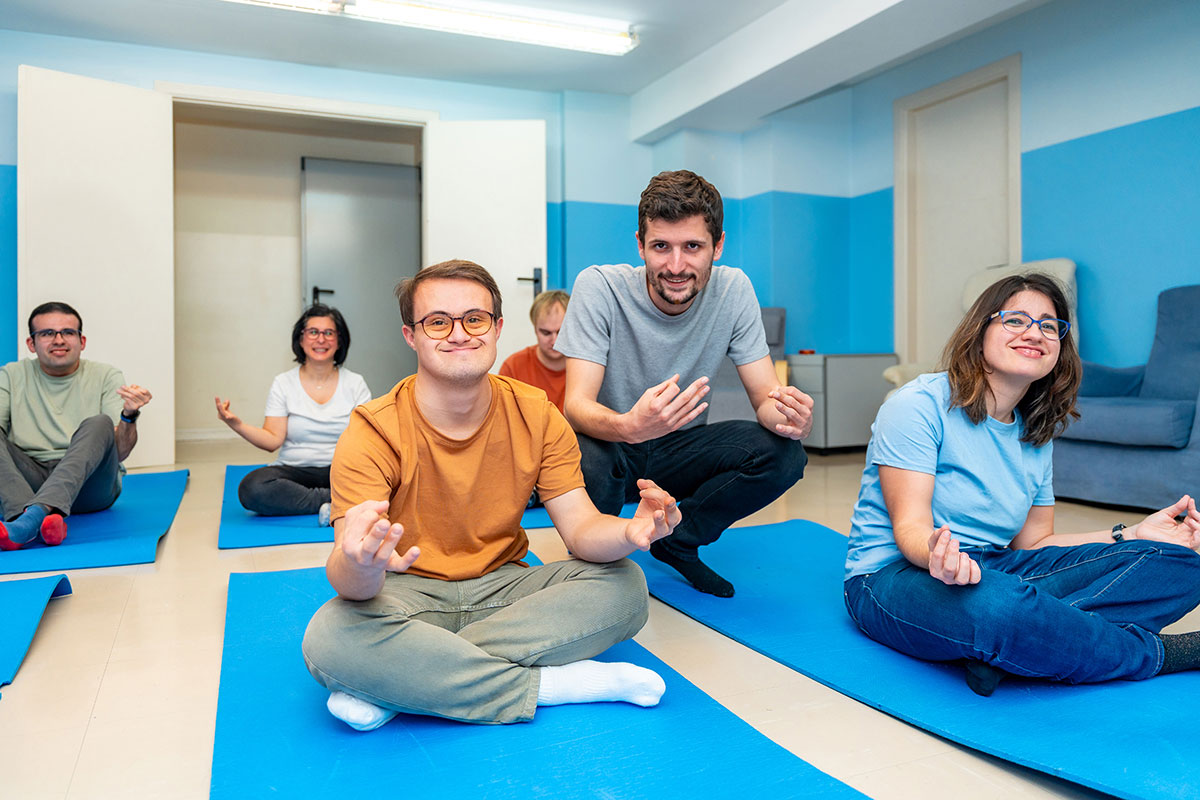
(204, 434)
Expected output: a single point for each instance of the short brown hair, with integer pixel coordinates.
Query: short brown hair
(546, 299)
(674, 196)
(456, 269)
(1049, 401)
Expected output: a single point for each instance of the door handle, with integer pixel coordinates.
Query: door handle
(317, 292)
(536, 280)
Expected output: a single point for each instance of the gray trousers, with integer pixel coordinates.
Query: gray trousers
(471, 650)
(87, 477)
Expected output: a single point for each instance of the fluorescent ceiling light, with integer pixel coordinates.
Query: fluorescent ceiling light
(485, 19)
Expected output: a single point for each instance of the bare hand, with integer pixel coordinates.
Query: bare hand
(796, 408)
(665, 408)
(1162, 527)
(947, 564)
(225, 415)
(657, 516)
(134, 396)
(369, 542)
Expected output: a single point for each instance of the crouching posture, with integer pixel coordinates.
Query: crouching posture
(436, 613)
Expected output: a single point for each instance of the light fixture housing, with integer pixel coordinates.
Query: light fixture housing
(485, 19)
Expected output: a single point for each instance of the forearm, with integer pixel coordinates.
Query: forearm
(1072, 539)
(913, 541)
(596, 420)
(126, 436)
(259, 437)
(599, 539)
(769, 415)
(352, 581)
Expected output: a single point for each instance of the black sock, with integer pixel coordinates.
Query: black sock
(1181, 651)
(983, 677)
(697, 574)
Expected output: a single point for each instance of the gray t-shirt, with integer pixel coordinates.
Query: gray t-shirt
(611, 321)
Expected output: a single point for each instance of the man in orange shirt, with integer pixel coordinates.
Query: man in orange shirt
(540, 364)
(436, 613)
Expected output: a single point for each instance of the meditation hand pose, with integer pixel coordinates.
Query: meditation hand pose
(436, 611)
(67, 424)
(641, 344)
(307, 410)
(953, 553)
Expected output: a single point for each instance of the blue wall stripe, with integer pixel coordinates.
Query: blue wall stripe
(597, 233)
(1125, 205)
(870, 292)
(555, 275)
(8, 262)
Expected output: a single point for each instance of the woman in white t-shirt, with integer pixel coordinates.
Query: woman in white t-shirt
(307, 410)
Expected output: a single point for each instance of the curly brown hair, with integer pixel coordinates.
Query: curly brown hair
(1049, 401)
(674, 196)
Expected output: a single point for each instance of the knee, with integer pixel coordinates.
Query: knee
(778, 458)
(99, 427)
(628, 594)
(251, 488)
(322, 648)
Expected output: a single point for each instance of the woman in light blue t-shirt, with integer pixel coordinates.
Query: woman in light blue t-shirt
(953, 553)
(307, 410)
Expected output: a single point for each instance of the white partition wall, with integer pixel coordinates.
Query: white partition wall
(485, 201)
(95, 223)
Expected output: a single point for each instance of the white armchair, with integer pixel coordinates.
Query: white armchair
(1061, 269)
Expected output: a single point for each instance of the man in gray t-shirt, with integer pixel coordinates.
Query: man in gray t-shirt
(641, 344)
(66, 424)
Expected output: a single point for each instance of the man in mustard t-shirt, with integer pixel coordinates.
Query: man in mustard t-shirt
(436, 612)
(67, 424)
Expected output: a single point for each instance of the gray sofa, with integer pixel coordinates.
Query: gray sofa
(1137, 441)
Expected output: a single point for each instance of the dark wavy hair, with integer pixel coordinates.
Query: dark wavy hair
(339, 323)
(1049, 401)
(674, 196)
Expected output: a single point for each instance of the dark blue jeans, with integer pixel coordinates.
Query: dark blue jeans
(719, 473)
(1079, 614)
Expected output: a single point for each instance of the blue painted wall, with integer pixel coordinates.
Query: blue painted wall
(8, 261)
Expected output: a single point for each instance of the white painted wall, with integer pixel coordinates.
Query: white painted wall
(237, 261)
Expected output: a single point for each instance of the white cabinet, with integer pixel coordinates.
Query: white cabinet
(847, 391)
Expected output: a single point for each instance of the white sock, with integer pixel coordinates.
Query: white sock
(358, 714)
(599, 681)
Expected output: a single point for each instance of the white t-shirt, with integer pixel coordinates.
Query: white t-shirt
(313, 428)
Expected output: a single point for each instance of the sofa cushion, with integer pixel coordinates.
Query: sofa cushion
(1133, 421)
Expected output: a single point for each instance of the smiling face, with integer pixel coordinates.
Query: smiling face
(1026, 357)
(58, 355)
(460, 358)
(679, 258)
(323, 348)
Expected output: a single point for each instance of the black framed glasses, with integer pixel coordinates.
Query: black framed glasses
(475, 322)
(316, 333)
(1017, 322)
(49, 334)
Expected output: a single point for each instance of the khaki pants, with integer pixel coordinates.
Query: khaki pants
(471, 650)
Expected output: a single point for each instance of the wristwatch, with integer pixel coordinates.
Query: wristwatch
(1116, 532)
(130, 416)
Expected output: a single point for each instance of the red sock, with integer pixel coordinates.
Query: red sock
(5, 542)
(54, 529)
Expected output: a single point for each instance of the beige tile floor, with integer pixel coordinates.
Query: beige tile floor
(117, 697)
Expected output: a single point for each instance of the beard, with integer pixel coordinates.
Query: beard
(678, 297)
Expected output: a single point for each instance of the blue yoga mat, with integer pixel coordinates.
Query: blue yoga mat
(275, 737)
(789, 607)
(242, 528)
(126, 533)
(23, 603)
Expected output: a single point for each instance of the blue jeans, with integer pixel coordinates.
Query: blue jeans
(1079, 614)
(719, 473)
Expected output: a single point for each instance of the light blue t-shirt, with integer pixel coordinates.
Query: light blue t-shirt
(985, 478)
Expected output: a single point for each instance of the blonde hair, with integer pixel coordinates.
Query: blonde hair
(546, 299)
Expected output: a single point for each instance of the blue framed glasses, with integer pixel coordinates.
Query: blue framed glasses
(1017, 322)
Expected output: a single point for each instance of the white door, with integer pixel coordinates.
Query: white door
(485, 201)
(958, 173)
(361, 234)
(95, 216)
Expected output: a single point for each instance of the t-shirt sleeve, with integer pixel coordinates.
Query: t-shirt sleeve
(365, 467)
(5, 401)
(111, 403)
(749, 340)
(277, 405)
(587, 328)
(560, 471)
(908, 432)
(361, 392)
(1045, 492)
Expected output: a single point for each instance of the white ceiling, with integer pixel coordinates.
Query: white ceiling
(710, 64)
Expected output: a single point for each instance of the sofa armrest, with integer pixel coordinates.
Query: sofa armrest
(900, 374)
(1102, 381)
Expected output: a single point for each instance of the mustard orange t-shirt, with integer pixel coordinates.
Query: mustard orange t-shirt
(525, 367)
(459, 500)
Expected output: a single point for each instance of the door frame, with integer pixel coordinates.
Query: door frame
(905, 110)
